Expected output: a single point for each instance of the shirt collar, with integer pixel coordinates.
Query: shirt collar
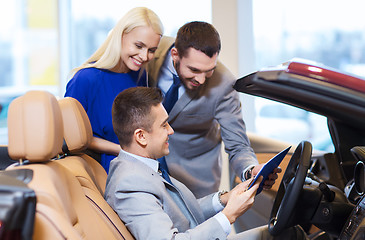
(152, 163)
(170, 64)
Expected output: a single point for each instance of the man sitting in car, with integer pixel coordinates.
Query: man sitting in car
(154, 205)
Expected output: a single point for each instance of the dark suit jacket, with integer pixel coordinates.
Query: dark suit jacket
(201, 119)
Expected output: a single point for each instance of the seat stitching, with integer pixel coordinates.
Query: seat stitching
(105, 216)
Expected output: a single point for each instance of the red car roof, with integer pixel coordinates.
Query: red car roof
(327, 75)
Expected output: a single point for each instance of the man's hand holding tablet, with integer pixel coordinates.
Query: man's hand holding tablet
(268, 168)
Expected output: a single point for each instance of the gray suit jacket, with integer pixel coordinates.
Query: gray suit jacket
(201, 119)
(152, 208)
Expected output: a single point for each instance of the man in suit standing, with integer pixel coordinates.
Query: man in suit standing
(150, 203)
(207, 110)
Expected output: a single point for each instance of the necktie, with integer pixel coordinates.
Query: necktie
(171, 95)
(162, 167)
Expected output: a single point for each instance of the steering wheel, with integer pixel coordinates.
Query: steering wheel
(290, 188)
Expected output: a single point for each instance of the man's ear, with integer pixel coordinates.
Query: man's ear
(140, 136)
(174, 54)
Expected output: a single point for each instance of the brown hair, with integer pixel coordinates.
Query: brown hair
(199, 35)
(131, 110)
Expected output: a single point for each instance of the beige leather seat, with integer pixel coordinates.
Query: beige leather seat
(77, 136)
(63, 211)
(91, 175)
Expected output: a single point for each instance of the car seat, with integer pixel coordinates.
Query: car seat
(77, 136)
(91, 175)
(63, 211)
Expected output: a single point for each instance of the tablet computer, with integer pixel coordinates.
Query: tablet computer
(268, 168)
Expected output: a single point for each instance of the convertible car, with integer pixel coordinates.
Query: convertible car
(321, 191)
(51, 189)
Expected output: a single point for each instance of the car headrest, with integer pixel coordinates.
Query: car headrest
(35, 128)
(76, 125)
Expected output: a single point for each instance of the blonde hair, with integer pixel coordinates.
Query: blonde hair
(108, 54)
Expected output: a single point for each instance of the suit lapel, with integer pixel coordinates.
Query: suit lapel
(195, 217)
(181, 103)
(184, 100)
(194, 213)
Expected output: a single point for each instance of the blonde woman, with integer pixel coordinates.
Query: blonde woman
(118, 64)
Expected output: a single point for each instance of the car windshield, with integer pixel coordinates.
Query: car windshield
(291, 124)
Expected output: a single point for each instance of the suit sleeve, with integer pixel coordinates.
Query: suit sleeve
(233, 130)
(143, 213)
(206, 204)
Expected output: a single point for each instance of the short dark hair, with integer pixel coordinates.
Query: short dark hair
(131, 110)
(199, 35)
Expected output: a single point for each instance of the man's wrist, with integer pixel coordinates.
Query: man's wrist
(248, 173)
(220, 193)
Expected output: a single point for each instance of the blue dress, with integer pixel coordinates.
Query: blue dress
(96, 90)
